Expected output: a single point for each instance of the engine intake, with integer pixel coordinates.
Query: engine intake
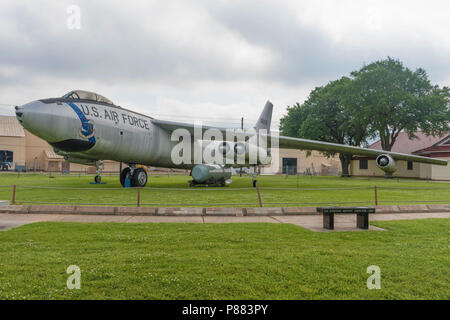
(386, 163)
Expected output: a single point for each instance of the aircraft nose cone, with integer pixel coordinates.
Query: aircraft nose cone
(29, 116)
(47, 121)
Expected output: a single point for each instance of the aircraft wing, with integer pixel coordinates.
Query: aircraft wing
(171, 126)
(305, 144)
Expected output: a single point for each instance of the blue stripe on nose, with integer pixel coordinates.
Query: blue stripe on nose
(84, 121)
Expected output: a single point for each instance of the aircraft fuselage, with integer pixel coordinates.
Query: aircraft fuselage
(97, 131)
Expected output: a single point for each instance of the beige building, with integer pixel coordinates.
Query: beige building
(427, 146)
(294, 161)
(12, 144)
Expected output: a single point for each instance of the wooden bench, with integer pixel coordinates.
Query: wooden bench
(362, 215)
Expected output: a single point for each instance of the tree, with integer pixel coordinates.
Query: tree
(325, 116)
(391, 98)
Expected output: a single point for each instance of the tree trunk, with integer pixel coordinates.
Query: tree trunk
(386, 145)
(345, 164)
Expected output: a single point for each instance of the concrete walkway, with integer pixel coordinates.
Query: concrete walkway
(343, 222)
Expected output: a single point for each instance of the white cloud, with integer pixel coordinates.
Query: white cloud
(210, 59)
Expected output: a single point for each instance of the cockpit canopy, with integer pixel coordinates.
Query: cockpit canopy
(86, 95)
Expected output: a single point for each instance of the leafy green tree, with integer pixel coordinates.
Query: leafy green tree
(325, 116)
(391, 98)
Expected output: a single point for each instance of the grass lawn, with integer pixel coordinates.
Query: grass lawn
(172, 190)
(224, 261)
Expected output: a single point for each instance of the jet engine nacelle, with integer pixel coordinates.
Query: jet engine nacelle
(386, 163)
(261, 155)
(211, 174)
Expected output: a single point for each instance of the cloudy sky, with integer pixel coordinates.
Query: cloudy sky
(212, 60)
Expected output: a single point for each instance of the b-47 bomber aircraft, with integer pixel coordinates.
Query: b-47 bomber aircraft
(86, 128)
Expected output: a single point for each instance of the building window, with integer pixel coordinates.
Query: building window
(410, 165)
(363, 164)
(6, 160)
(289, 166)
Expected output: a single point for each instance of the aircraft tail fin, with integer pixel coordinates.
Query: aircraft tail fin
(265, 118)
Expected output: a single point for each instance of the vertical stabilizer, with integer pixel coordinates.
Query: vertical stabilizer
(265, 118)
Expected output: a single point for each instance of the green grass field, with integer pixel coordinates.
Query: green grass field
(224, 261)
(172, 190)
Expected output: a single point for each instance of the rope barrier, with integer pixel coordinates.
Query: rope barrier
(315, 189)
(415, 188)
(229, 189)
(414, 201)
(189, 189)
(81, 203)
(135, 188)
(198, 189)
(298, 190)
(200, 204)
(221, 204)
(346, 202)
(142, 204)
(69, 188)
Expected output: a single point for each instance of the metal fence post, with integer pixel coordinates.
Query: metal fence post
(259, 195)
(138, 197)
(376, 195)
(14, 195)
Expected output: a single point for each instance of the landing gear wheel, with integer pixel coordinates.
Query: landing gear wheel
(123, 175)
(255, 182)
(139, 178)
(98, 179)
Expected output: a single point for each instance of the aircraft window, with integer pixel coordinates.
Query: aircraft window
(103, 99)
(86, 95)
(72, 95)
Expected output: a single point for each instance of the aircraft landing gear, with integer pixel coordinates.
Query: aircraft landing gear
(136, 177)
(98, 177)
(139, 178)
(124, 175)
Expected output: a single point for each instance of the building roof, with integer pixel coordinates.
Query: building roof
(441, 148)
(10, 127)
(405, 145)
(50, 154)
